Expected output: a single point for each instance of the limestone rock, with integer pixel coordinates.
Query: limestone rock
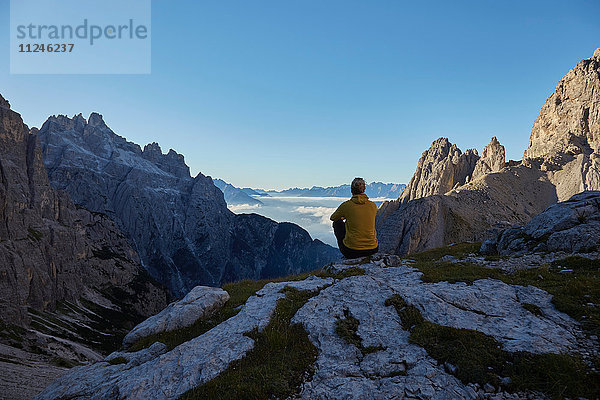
(492, 160)
(180, 225)
(397, 368)
(565, 139)
(3, 102)
(153, 374)
(199, 303)
(563, 159)
(442, 167)
(52, 251)
(569, 226)
(469, 213)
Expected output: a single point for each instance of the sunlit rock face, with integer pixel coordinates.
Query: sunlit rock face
(565, 139)
(447, 201)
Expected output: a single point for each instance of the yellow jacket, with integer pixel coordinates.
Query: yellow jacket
(359, 213)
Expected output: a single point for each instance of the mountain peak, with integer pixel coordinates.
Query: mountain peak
(96, 119)
(440, 168)
(4, 103)
(152, 148)
(570, 119)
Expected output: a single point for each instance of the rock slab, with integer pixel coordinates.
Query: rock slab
(199, 303)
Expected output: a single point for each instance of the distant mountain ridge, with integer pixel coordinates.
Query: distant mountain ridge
(374, 189)
(235, 196)
(180, 225)
(248, 196)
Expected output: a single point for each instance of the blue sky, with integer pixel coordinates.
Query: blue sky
(276, 94)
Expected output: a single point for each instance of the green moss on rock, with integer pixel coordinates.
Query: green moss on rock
(479, 358)
(281, 359)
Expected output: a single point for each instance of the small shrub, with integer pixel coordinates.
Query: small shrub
(118, 360)
(34, 234)
(410, 316)
(532, 308)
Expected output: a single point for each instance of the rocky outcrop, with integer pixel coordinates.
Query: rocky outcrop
(52, 251)
(441, 168)
(571, 226)
(492, 160)
(71, 286)
(565, 139)
(469, 213)
(154, 373)
(4, 103)
(393, 367)
(180, 225)
(199, 303)
(562, 160)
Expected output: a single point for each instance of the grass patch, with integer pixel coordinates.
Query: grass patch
(348, 272)
(532, 308)
(575, 293)
(454, 272)
(456, 250)
(577, 263)
(277, 365)
(118, 360)
(479, 358)
(410, 316)
(347, 329)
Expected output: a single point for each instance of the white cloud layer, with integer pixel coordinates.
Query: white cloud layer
(323, 213)
(240, 208)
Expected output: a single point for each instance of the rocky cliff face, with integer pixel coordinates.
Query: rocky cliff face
(562, 160)
(71, 286)
(565, 139)
(571, 226)
(180, 225)
(53, 251)
(468, 213)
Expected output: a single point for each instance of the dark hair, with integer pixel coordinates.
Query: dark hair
(358, 186)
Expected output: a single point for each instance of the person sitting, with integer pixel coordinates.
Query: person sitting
(356, 236)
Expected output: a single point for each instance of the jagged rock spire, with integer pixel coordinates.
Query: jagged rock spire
(440, 169)
(492, 160)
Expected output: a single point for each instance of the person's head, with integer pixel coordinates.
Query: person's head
(358, 186)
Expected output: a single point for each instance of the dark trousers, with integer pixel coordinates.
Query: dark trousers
(339, 229)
